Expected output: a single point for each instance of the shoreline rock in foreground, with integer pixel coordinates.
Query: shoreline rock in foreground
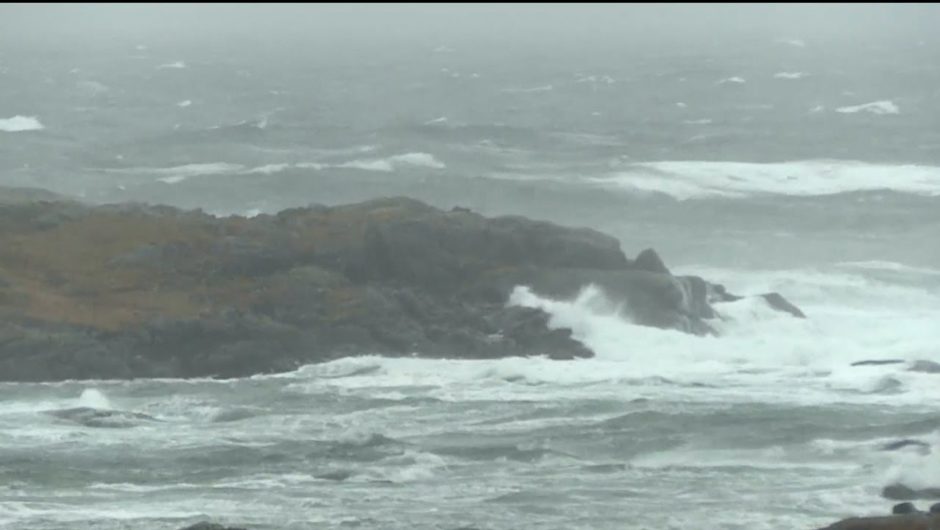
(904, 516)
(129, 290)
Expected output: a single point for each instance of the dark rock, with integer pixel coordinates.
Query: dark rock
(778, 302)
(903, 508)
(133, 290)
(935, 508)
(649, 260)
(900, 492)
(911, 521)
(718, 293)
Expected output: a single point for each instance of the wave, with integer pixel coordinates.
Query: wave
(20, 123)
(691, 179)
(875, 107)
(790, 75)
(889, 266)
(177, 174)
(173, 65)
(543, 88)
(732, 80)
(759, 356)
(184, 103)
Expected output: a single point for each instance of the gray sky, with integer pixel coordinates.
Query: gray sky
(525, 22)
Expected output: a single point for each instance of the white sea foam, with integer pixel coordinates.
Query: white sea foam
(184, 103)
(759, 357)
(689, 179)
(270, 169)
(392, 163)
(177, 174)
(915, 469)
(735, 80)
(790, 75)
(889, 266)
(875, 107)
(94, 398)
(174, 65)
(20, 123)
(703, 121)
(594, 79)
(173, 175)
(543, 88)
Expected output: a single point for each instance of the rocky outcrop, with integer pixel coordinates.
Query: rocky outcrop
(130, 290)
(904, 516)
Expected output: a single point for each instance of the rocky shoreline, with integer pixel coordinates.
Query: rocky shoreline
(131, 290)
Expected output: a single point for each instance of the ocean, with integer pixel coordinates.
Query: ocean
(784, 164)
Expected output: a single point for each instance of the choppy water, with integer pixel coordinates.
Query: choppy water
(780, 182)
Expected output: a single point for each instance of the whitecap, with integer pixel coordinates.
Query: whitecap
(875, 107)
(543, 88)
(790, 75)
(689, 179)
(20, 124)
(173, 65)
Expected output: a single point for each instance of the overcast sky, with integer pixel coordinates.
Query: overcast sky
(469, 21)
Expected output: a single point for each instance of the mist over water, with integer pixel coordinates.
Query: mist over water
(767, 148)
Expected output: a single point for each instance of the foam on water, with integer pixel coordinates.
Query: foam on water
(177, 174)
(20, 124)
(790, 75)
(173, 65)
(392, 163)
(690, 179)
(94, 398)
(543, 88)
(915, 469)
(184, 103)
(760, 355)
(875, 107)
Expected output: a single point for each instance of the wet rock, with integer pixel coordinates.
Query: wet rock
(903, 508)
(910, 521)
(649, 260)
(134, 290)
(900, 492)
